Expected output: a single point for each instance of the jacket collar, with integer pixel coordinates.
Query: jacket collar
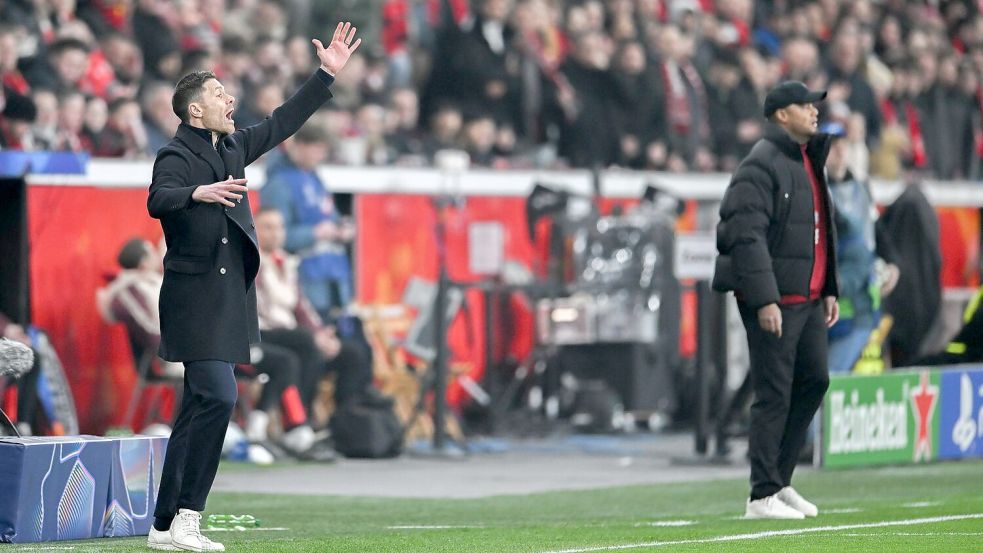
(202, 147)
(817, 148)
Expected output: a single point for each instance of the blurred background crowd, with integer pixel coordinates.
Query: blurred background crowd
(671, 85)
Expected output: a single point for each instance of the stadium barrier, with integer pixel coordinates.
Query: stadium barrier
(904, 417)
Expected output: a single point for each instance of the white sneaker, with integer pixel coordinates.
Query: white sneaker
(160, 540)
(186, 533)
(790, 497)
(770, 507)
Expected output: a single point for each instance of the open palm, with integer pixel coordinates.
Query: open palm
(335, 56)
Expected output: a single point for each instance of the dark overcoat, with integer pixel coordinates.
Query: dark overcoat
(208, 299)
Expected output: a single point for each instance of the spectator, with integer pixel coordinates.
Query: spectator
(484, 79)
(642, 114)
(686, 103)
(158, 116)
(847, 57)
(479, 140)
(71, 120)
(124, 134)
(16, 119)
(124, 56)
(590, 134)
(315, 231)
(445, 130)
(402, 132)
(68, 60)
(45, 127)
(154, 23)
(96, 117)
(10, 76)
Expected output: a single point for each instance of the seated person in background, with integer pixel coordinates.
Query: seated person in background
(967, 345)
(287, 319)
(132, 299)
(314, 229)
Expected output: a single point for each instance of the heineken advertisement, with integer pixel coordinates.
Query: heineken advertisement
(904, 417)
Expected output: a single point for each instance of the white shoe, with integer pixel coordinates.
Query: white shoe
(160, 540)
(790, 497)
(186, 533)
(770, 507)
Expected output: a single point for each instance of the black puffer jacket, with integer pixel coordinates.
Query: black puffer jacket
(765, 235)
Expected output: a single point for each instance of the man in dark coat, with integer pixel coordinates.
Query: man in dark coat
(777, 253)
(208, 300)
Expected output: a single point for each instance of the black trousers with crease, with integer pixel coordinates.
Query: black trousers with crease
(789, 377)
(195, 445)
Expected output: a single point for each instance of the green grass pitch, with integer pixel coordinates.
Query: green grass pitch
(937, 508)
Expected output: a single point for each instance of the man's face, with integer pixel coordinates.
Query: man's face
(799, 119)
(71, 65)
(270, 231)
(215, 108)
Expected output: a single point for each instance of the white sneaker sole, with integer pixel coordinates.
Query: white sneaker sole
(162, 547)
(772, 517)
(180, 547)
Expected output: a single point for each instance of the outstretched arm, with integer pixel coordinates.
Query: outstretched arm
(288, 118)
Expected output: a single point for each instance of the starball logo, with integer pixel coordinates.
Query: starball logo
(923, 401)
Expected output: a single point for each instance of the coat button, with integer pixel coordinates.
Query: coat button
(225, 240)
(222, 270)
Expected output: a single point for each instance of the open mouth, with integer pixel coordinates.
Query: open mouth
(228, 116)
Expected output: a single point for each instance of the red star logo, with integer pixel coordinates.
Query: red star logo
(923, 399)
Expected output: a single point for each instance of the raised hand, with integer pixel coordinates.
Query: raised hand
(335, 56)
(222, 192)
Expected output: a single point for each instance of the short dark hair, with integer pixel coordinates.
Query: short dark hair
(132, 253)
(63, 45)
(189, 90)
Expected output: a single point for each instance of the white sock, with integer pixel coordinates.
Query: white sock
(256, 425)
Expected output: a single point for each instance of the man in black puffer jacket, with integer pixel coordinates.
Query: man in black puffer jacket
(777, 253)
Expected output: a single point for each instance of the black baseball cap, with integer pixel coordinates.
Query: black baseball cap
(788, 93)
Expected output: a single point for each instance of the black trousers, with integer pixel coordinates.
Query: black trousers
(195, 446)
(352, 365)
(789, 378)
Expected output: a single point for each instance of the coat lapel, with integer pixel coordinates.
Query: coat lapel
(203, 150)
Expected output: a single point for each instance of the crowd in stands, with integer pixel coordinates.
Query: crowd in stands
(671, 85)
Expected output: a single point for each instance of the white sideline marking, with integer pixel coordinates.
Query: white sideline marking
(44, 548)
(430, 527)
(771, 533)
(916, 534)
(840, 511)
(666, 523)
(920, 504)
(244, 529)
